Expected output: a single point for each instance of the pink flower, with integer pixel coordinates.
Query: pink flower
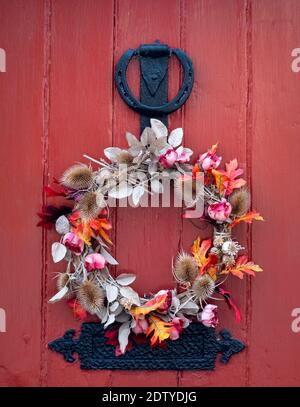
(168, 301)
(183, 155)
(210, 159)
(168, 158)
(176, 329)
(73, 242)
(209, 316)
(141, 326)
(220, 211)
(94, 261)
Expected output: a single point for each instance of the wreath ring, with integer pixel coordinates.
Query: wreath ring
(84, 245)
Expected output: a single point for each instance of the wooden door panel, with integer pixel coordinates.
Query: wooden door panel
(275, 151)
(216, 112)
(80, 123)
(151, 234)
(21, 118)
(58, 102)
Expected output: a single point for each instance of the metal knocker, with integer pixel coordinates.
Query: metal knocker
(154, 59)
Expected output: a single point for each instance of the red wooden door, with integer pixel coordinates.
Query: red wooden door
(58, 101)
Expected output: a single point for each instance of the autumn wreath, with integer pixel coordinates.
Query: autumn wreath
(134, 173)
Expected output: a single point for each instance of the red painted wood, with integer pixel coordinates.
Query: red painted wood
(21, 118)
(275, 349)
(58, 101)
(80, 122)
(216, 112)
(147, 238)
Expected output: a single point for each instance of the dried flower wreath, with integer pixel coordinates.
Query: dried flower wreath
(87, 283)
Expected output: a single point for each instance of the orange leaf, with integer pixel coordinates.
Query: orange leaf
(241, 266)
(220, 178)
(84, 232)
(195, 170)
(200, 254)
(212, 272)
(248, 218)
(226, 180)
(199, 251)
(213, 149)
(149, 306)
(161, 330)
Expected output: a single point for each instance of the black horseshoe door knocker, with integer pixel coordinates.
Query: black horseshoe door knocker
(154, 60)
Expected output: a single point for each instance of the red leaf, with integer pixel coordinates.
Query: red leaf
(248, 218)
(50, 214)
(77, 309)
(50, 192)
(230, 303)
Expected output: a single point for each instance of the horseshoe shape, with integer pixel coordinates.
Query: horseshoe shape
(154, 51)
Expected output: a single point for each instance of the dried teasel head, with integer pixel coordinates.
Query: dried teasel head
(91, 297)
(215, 250)
(229, 261)
(240, 201)
(79, 176)
(188, 189)
(185, 269)
(63, 279)
(88, 206)
(203, 288)
(125, 157)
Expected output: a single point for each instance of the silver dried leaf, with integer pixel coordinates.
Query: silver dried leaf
(156, 186)
(152, 168)
(62, 225)
(61, 293)
(123, 190)
(137, 194)
(189, 308)
(123, 335)
(122, 317)
(118, 310)
(111, 292)
(147, 137)
(159, 128)
(110, 320)
(108, 257)
(131, 295)
(102, 314)
(175, 137)
(112, 153)
(102, 176)
(113, 307)
(58, 251)
(125, 279)
(131, 140)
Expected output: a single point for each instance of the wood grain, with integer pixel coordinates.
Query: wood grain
(147, 238)
(58, 101)
(80, 122)
(216, 112)
(275, 349)
(21, 118)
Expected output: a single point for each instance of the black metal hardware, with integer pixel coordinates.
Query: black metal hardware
(197, 348)
(153, 101)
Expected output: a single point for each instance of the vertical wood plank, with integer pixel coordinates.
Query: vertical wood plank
(21, 36)
(275, 349)
(147, 238)
(80, 122)
(214, 36)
